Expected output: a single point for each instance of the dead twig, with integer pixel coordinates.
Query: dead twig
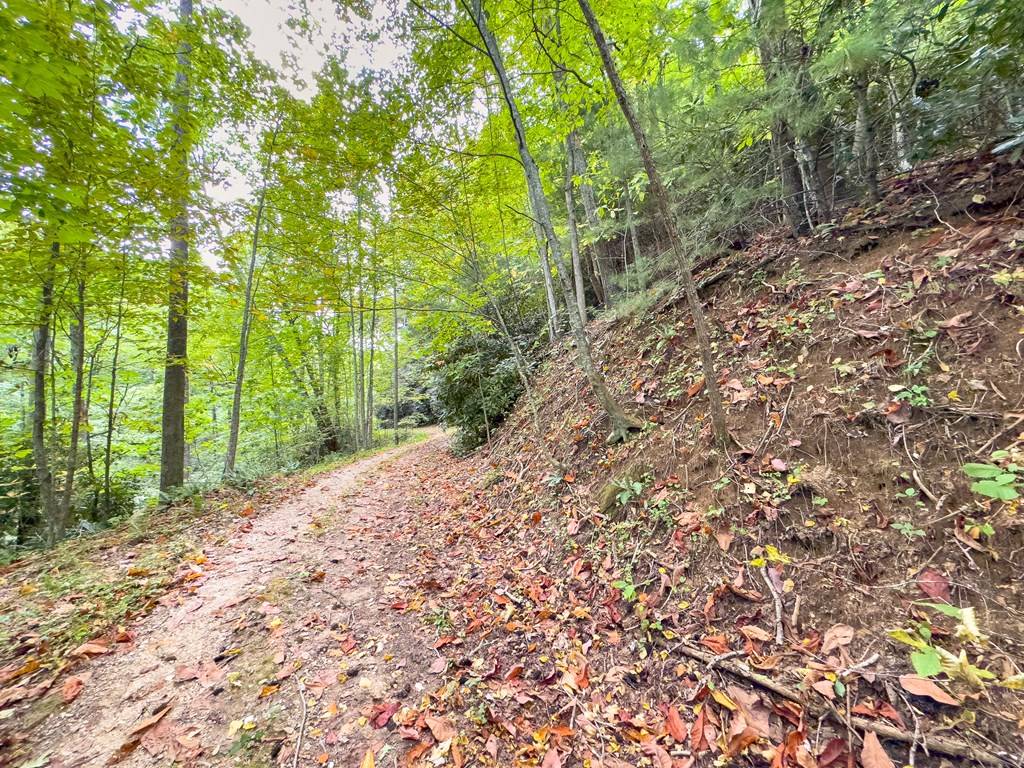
(780, 636)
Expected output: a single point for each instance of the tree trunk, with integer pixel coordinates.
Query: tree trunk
(172, 449)
(111, 406)
(394, 326)
(864, 139)
(78, 366)
(369, 378)
(40, 356)
(620, 423)
(549, 285)
(243, 339)
(574, 238)
(661, 200)
(589, 201)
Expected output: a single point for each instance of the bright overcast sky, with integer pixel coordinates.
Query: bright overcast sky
(271, 38)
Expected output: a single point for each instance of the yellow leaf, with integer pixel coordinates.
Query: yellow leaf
(724, 700)
(953, 396)
(368, 759)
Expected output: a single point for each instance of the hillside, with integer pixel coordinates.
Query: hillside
(863, 368)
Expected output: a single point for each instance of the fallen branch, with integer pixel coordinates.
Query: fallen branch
(945, 746)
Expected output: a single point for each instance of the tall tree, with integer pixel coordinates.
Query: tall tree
(620, 423)
(172, 448)
(668, 220)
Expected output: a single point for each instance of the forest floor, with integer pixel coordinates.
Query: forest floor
(834, 593)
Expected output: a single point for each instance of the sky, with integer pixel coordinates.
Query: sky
(271, 38)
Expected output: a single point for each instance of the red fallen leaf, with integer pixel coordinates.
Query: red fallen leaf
(698, 740)
(551, 760)
(676, 726)
(825, 688)
(184, 673)
(716, 643)
(247, 511)
(515, 672)
(441, 727)
(415, 752)
(835, 750)
(658, 755)
(90, 648)
(492, 746)
(933, 584)
(922, 686)
(382, 713)
(73, 686)
(444, 640)
(898, 412)
(696, 387)
(400, 605)
(348, 644)
(135, 734)
(741, 741)
(879, 709)
(873, 755)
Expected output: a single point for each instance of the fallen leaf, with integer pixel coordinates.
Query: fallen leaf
(922, 686)
(551, 760)
(91, 648)
(675, 725)
(441, 728)
(73, 686)
(367, 761)
(835, 636)
(658, 755)
(933, 584)
(873, 755)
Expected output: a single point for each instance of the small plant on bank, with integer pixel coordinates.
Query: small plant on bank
(999, 480)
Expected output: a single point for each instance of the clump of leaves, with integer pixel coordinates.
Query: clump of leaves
(999, 480)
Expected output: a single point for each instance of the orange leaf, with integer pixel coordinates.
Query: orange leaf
(441, 727)
(73, 686)
(675, 725)
(922, 686)
(873, 755)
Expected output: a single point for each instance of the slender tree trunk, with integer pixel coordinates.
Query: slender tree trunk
(111, 403)
(78, 366)
(40, 356)
(661, 200)
(864, 139)
(394, 327)
(621, 424)
(589, 201)
(634, 239)
(369, 378)
(243, 339)
(172, 450)
(549, 285)
(574, 238)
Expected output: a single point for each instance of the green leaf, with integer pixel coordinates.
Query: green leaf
(926, 662)
(949, 610)
(981, 470)
(994, 490)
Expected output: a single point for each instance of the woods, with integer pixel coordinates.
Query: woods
(323, 253)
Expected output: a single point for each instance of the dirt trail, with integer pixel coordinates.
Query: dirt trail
(290, 615)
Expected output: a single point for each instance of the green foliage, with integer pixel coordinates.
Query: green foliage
(996, 481)
(477, 384)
